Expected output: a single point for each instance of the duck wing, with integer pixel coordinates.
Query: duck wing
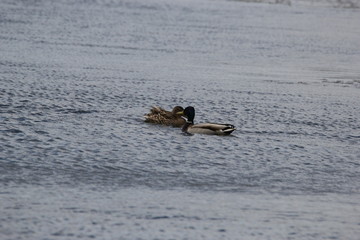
(155, 115)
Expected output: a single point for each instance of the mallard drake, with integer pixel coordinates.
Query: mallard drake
(161, 116)
(204, 128)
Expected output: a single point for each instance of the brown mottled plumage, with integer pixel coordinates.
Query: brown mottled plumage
(161, 116)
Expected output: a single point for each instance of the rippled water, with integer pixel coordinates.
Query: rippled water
(77, 160)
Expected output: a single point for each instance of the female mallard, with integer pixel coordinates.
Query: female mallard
(204, 128)
(161, 116)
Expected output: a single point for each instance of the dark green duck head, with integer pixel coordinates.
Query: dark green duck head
(189, 113)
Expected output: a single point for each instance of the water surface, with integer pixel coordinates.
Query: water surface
(77, 160)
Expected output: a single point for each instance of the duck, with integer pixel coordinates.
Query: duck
(159, 115)
(204, 128)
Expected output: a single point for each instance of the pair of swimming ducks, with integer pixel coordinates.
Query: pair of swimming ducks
(180, 117)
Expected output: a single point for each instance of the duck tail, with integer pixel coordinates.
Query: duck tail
(156, 110)
(229, 129)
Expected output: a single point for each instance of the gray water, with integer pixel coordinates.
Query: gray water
(78, 162)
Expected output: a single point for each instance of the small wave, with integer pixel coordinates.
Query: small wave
(264, 132)
(76, 111)
(326, 3)
(287, 82)
(21, 119)
(344, 83)
(287, 2)
(41, 132)
(13, 21)
(353, 137)
(161, 217)
(12, 130)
